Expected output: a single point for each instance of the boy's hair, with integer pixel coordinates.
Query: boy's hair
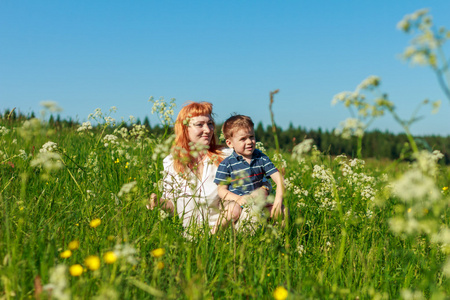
(234, 123)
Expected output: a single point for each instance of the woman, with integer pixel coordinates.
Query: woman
(188, 185)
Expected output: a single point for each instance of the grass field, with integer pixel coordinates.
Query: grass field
(74, 225)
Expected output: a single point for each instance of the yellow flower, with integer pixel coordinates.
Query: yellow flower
(65, 254)
(160, 265)
(92, 262)
(110, 257)
(76, 270)
(74, 245)
(280, 293)
(445, 188)
(158, 252)
(95, 223)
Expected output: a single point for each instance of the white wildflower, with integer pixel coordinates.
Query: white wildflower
(412, 295)
(49, 147)
(163, 214)
(350, 127)
(110, 121)
(260, 146)
(414, 185)
(304, 147)
(3, 130)
(369, 83)
(49, 161)
(22, 154)
(127, 252)
(127, 188)
(85, 126)
(58, 284)
(51, 106)
(163, 109)
(110, 138)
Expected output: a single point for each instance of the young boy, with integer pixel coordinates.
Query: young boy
(246, 166)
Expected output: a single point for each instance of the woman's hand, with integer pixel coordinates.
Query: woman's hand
(152, 201)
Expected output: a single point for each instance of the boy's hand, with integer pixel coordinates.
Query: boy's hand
(242, 200)
(276, 209)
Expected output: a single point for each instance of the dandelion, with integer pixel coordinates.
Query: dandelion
(92, 262)
(95, 223)
(65, 254)
(74, 245)
(280, 293)
(158, 252)
(445, 188)
(160, 265)
(76, 270)
(110, 257)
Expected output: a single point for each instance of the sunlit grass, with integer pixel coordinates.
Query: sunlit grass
(84, 230)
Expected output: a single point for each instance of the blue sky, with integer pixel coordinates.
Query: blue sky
(97, 54)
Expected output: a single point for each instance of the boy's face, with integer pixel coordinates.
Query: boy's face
(243, 142)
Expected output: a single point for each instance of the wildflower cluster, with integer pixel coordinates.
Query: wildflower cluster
(85, 126)
(421, 198)
(163, 109)
(49, 147)
(425, 47)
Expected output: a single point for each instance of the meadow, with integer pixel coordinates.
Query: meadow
(74, 222)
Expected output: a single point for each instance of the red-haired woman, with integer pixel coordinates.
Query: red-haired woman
(190, 169)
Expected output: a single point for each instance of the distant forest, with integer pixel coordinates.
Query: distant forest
(376, 144)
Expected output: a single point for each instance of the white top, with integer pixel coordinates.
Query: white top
(195, 200)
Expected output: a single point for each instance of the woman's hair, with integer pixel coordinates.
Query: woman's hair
(181, 149)
(235, 123)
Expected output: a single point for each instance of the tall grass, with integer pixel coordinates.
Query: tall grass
(337, 241)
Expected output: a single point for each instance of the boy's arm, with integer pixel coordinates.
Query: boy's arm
(225, 194)
(278, 179)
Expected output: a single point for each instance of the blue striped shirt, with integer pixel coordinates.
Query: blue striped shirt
(245, 177)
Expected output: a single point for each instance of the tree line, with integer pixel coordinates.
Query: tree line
(375, 143)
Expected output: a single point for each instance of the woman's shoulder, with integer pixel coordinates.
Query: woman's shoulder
(168, 160)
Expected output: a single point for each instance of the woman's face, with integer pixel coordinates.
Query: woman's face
(201, 130)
